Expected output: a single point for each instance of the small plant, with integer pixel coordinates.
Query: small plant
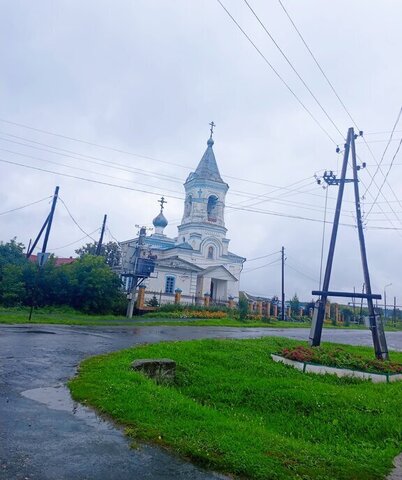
(153, 302)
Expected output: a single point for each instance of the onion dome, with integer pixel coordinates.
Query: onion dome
(160, 221)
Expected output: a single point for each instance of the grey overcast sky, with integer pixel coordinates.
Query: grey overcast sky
(146, 77)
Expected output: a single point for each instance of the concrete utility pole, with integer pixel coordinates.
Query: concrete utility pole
(136, 256)
(385, 301)
(99, 246)
(283, 284)
(377, 331)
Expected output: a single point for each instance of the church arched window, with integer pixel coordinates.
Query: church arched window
(211, 252)
(212, 208)
(188, 205)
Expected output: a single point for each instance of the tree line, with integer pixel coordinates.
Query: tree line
(87, 284)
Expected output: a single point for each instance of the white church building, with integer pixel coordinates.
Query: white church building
(198, 261)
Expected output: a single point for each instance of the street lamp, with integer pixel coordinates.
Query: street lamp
(385, 300)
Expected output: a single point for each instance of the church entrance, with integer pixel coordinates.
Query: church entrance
(218, 290)
(212, 290)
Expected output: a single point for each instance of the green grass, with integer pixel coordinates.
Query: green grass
(234, 410)
(67, 316)
(56, 316)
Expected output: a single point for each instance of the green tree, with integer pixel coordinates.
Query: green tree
(12, 261)
(295, 305)
(243, 308)
(110, 251)
(12, 286)
(347, 314)
(94, 287)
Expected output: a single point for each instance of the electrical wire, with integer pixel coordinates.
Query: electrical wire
(292, 67)
(301, 273)
(335, 92)
(262, 266)
(385, 178)
(123, 167)
(82, 169)
(277, 73)
(263, 256)
(25, 206)
(266, 212)
(386, 148)
(318, 64)
(87, 179)
(74, 220)
(76, 241)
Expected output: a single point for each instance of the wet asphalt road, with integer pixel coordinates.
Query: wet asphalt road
(44, 435)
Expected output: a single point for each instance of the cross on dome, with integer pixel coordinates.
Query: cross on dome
(212, 127)
(162, 202)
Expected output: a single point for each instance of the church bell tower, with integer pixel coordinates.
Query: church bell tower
(203, 222)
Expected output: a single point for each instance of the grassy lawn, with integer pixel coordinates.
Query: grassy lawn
(234, 410)
(71, 317)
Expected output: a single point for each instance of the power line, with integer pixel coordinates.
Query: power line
(25, 206)
(113, 237)
(385, 179)
(262, 266)
(81, 169)
(266, 212)
(318, 64)
(263, 256)
(85, 158)
(75, 221)
(76, 241)
(301, 273)
(127, 168)
(292, 66)
(87, 179)
(234, 192)
(277, 73)
(385, 150)
(334, 91)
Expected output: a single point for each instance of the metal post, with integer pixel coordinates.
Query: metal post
(377, 331)
(283, 284)
(99, 246)
(319, 310)
(394, 313)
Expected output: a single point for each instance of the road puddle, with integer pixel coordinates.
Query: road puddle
(59, 398)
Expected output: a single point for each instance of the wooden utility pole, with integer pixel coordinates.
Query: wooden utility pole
(99, 246)
(43, 256)
(377, 331)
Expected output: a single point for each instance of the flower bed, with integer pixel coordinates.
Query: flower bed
(204, 314)
(340, 358)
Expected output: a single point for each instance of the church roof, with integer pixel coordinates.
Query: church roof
(207, 168)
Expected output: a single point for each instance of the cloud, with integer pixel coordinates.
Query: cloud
(147, 77)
